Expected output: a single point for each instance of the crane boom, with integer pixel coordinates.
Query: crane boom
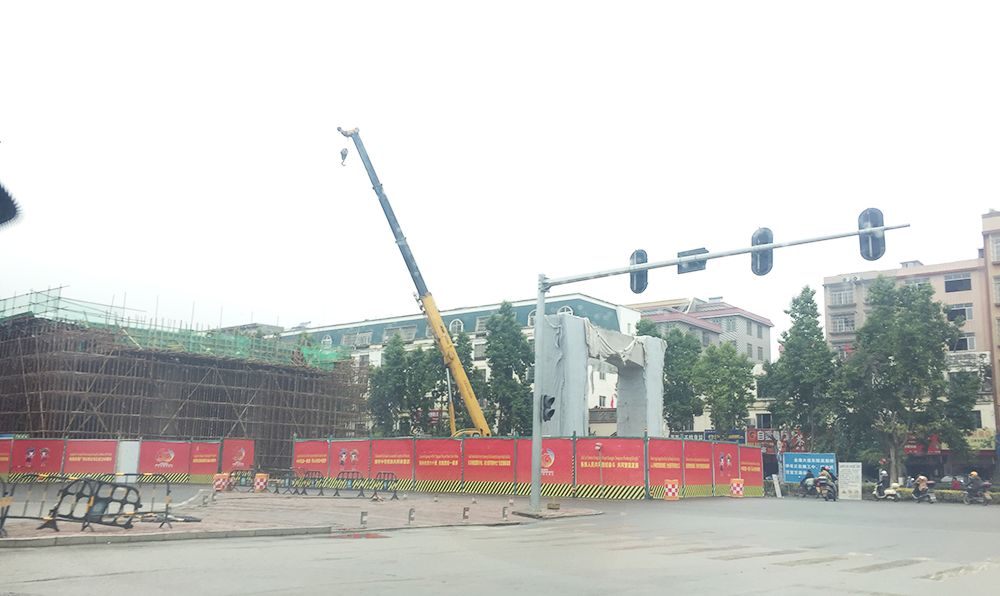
(441, 336)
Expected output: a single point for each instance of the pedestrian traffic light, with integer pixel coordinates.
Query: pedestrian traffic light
(761, 261)
(8, 208)
(691, 265)
(872, 244)
(638, 279)
(548, 407)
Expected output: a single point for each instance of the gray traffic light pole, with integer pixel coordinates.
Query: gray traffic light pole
(544, 284)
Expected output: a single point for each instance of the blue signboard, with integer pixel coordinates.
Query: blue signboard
(797, 464)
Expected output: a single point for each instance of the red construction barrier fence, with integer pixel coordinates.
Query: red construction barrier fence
(37, 456)
(438, 465)
(5, 447)
(311, 456)
(726, 461)
(752, 471)
(90, 457)
(351, 456)
(665, 460)
(697, 479)
(237, 454)
(395, 456)
(488, 466)
(170, 458)
(204, 461)
(610, 468)
(557, 467)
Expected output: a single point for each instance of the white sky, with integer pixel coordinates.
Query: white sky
(187, 152)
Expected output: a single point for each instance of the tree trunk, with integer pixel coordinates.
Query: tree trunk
(893, 463)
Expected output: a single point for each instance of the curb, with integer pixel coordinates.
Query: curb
(397, 528)
(163, 537)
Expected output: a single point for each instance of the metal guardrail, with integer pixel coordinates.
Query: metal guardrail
(387, 481)
(349, 481)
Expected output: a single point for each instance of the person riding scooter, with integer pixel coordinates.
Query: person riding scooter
(829, 483)
(883, 483)
(975, 485)
(807, 484)
(920, 487)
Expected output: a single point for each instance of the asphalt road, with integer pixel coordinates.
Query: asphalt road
(753, 546)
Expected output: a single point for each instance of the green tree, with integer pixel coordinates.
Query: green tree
(681, 402)
(725, 378)
(387, 387)
(799, 382)
(895, 384)
(509, 356)
(647, 327)
(425, 388)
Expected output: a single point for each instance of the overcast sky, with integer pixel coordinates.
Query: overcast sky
(187, 152)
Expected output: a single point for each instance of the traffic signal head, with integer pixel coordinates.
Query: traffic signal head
(872, 245)
(548, 407)
(761, 261)
(638, 279)
(8, 208)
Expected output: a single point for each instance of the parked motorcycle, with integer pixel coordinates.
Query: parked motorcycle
(826, 488)
(978, 496)
(808, 488)
(886, 494)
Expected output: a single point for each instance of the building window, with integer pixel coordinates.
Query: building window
(842, 297)
(705, 339)
(760, 331)
(356, 339)
(842, 324)
(479, 352)
(960, 311)
(364, 359)
(327, 341)
(730, 324)
(602, 401)
(965, 343)
(564, 310)
(749, 328)
(406, 334)
(750, 351)
(995, 242)
(602, 375)
(760, 353)
(977, 418)
(764, 421)
(733, 343)
(957, 282)
(456, 326)
(918, 281)
(531, 319)
(428, 331)
(481, 324)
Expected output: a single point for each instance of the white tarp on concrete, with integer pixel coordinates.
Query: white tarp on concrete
(569, 342)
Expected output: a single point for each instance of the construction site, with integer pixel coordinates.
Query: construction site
(78, 370)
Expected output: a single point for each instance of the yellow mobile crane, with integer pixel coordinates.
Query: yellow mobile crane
(441, 336)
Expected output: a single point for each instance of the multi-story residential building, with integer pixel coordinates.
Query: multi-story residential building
(969, 289)
(714, 321)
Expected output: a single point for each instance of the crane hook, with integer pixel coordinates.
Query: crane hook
(343, 156)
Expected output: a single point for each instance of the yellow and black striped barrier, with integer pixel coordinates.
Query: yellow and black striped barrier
(548, 490)
(157, 478)
(597, 491)
(753, 491)
(488, 488)
(437, 486)
(697, 490)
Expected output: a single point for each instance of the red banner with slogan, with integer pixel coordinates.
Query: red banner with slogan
(311, 456)
(751, 466)
(393, 455)
(438, 459)
(90, 457)
(204, 459)
(350, 456)
(609, 462)
(557, 461)
(5, 447)
(665, 458)
(489, 460)
(726, 460)
(164, 457)
(698, 467)
(237, 454)
(36, 456)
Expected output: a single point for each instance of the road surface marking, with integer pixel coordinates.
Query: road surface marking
(772, 553)
(959, 571)
(813, 561)
(886, 565)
